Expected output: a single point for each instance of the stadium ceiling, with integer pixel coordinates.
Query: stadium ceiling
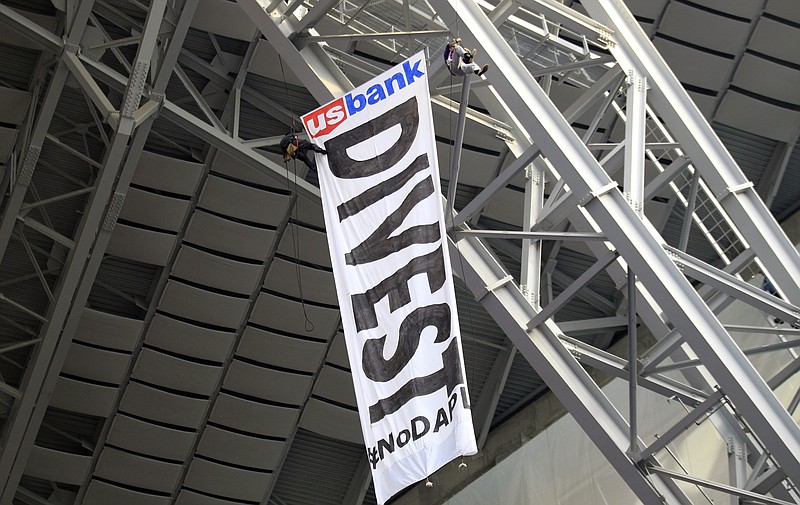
(169, 331)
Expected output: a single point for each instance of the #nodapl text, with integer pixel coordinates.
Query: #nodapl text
(418, 427)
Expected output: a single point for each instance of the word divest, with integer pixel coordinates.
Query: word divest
(382, 203)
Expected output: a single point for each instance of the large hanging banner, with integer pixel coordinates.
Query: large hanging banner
(383, 211)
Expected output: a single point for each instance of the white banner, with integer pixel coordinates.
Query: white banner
(382, 202)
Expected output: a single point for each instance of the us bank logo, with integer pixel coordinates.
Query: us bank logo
(324, 120)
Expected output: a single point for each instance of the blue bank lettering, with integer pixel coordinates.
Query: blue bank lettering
(356, 102)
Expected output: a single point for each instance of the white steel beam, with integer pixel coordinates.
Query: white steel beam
(719, 170)
(636, 241)
(237, 149)
(30, 30)
(484, 408)
(315, 70)
(547, 354)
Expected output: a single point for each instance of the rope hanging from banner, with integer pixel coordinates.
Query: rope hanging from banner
(309, 325)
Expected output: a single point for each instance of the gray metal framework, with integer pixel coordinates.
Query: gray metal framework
(588, 184)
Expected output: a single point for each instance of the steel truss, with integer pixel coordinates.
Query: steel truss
(664, 132)
(129, 125)
(729, 215)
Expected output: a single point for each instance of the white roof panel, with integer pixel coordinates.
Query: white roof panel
(86, 398)
(229, 447)
(335, 384)
(216, 271)
(151, 209)
(138, 471)
(287, 277)
(689, 24)
(191, 340)
(108, 330)
(271, 385)
(776, 39)
(288, 315)
(700, 68)
(202, 306)
(254, 417)
(96, 364)
(281, 350)
(150, 439)
(332, 421)
(57, 466)
(758, 117)
(168, 174)
(244, 202)
(172, 372)
(306, 244)
(231, 237)
(151, 403)
(783, 83)
(102, 493)
(145, 246)
(227, 481)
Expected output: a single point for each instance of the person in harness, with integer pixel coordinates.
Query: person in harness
(293, 147)
(460, 61)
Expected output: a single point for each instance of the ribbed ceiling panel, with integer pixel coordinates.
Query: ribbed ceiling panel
(317, 470)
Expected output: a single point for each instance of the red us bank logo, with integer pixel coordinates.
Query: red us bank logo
(323, 120)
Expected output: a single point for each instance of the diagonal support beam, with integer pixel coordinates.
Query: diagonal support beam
(30, 30)
(550, 309)
(236, 149)
(81, 266)
(637, 244)
(558, 367)
(311, 65)
(719, 170)
(490, 394)
(734, 287)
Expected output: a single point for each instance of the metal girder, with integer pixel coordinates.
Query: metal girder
(545, 351)
(236, 149)
(458, 142)
(619, 367)
(769, 183)
(718, 169)
(31, 156)
(504, 10)
(670, 342)
(222, 79)
(778, 346)
(315, 15)
(550, 309)
(498, 183)
(81, 266)
(536, 235)
(302, 40)
(484, 408)
(635, 240)
(89, 85)
(315, 70)
(587, 294)
(608, 81)
(30, 30)
(570, 19)
(682, 425)
(734, 287)
(743, 494)
(635, 141)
